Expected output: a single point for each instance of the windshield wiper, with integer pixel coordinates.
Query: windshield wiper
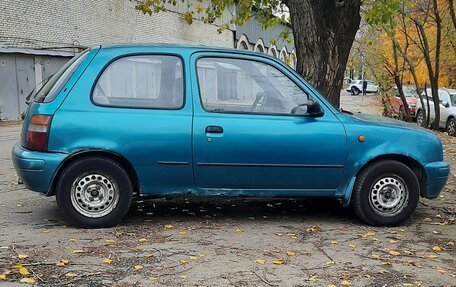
(31, 96)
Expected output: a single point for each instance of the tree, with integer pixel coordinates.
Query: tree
(323, 31)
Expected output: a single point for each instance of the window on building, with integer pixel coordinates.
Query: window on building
(246, 86)
(147, 81)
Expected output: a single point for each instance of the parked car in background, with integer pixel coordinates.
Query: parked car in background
(162, 120)
(411, 97)
(447, 106)
(356, 87)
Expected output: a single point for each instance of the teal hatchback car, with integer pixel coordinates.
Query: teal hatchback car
(121, 121)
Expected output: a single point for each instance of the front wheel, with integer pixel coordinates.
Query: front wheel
(355, 91)
(94, 192)
(386, 193)
(451, 127)
(420, 118)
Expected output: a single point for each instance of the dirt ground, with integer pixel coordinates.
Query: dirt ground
(225, 241)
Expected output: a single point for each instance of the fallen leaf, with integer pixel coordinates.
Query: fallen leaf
(22, 256)
(169, 226)
(440, 269)
(110, 241)
(142, 240)
(333, 242)
(2, 276)
(28, 280)
(331, 285)
(71, 274)
(278, 261)
(153, 278)
(432, 256)
(407, 284)
(202, 255)
(78, 251)
(345, 283)
(352, 245)
(313, 278)
(183, 276)
(329, 263)
(73, 240)
(193, 257)
(107, 260)
(238, 230)
(437, 248)
(260, 261)
(23, 271)
(366, 235)
(313, 229)
(393, 241)
(139, 248)
(62, 262)
(394, 253)
(183, 232)
(139, 267)
(291, 253)
(183, 261)
(148, 255)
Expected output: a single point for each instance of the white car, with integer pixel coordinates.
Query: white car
(447, 99)
(356, 87)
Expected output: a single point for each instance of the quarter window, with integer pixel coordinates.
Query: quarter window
(245, 86)
(148, 81)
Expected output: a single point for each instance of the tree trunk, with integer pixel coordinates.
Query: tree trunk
(324, 32)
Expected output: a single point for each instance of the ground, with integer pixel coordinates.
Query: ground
(225, 242)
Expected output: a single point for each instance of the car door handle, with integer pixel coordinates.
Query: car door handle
(214, 130)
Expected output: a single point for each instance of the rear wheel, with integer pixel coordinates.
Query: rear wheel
(355, 91)
(94, 192)
(451, 127)
(386, 193)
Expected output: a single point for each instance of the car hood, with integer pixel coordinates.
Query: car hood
(384, 121)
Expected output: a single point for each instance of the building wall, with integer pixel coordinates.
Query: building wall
(89, 22)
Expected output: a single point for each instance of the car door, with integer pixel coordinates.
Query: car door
(245, 135)
(444, 98)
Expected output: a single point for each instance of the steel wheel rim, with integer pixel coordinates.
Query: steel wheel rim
(94, 195)
(452, 127)
(420, 118)
(388, 196)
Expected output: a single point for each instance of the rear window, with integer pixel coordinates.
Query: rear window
(53, 86)
(146, 81)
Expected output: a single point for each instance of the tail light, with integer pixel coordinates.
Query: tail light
(38, 132)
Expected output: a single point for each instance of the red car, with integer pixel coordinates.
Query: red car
(410, 95)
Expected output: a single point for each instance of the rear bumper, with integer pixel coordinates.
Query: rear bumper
(436, 178)
(36, 169)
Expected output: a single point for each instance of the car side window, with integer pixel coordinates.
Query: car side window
(146, 81)
(247, 86)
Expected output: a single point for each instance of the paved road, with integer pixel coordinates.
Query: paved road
(223, 242)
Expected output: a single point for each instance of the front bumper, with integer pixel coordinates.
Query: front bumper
(436, 177)
(36, 169)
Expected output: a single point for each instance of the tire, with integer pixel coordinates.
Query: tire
(379, 186)
(94, 192)
(355, 91)
(401, 113)
(451, 127)
(420, 118)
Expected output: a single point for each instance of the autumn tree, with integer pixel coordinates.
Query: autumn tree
(323, 31)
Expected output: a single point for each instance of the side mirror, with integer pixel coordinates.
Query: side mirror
(446, 104)
(314, 109)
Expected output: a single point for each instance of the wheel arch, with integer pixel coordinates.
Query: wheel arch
(412, 163)
(103, 153)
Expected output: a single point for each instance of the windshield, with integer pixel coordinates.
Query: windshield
(53, 86)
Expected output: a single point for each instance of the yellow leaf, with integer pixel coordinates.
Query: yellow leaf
(331, 285)
(352, 245)
(375, 256)
(365, 235)
(333, 242)
(22, 256)
(2, 276)
(313, 278)
(437, 248)
(238, 230)
(169, 226)
(329, 263)
(139, 248)
(183, 276)
(139, 267)
(183, 261)
(107, 260)
(278, 261)
(73, 240)
(153, 278)
(202, 255)
(441, 270)
(407, 284)
(110, 241)
(28, 280)
(291, 253)
(142, 240)
(345, 283)
(392, 241)
(260, 261)
(23, 271)
(78, 251)
(193, 257)
(394, 253)
(71, 274)
(432, 256)
(148, 255)
(183, 232)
